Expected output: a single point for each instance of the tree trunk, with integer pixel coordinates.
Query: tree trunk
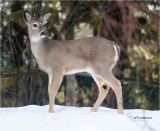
(70, 90)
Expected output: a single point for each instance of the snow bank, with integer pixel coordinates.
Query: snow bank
(37, 118)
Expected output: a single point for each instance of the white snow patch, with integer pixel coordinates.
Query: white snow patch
(37, 118)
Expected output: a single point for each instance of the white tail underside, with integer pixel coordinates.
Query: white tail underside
(115, 58)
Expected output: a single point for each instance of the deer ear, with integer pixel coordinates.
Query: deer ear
(27, 16)
(46, 18)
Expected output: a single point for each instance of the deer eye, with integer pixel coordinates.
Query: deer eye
(35, 25)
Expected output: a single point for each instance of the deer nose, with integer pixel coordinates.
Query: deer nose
(44, 33)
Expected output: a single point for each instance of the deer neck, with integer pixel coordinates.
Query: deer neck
(37, 47)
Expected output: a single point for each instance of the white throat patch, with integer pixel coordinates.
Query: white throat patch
(43, 36)
(35, 38)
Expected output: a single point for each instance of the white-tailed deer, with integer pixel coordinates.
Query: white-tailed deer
(95, 55)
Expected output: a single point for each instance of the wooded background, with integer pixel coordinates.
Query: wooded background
(134, 26)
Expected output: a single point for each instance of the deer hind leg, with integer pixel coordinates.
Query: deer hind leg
(103, 90)
(115, 84)
(55, 80)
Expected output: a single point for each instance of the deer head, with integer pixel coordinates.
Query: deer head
(36, 26)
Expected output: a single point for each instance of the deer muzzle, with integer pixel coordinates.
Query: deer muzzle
(43, 33)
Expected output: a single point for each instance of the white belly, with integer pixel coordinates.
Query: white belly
(88, 70)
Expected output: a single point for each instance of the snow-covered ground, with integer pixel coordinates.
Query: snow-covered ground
(37, 118)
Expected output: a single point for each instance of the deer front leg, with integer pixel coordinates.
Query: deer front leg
(55, 80)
